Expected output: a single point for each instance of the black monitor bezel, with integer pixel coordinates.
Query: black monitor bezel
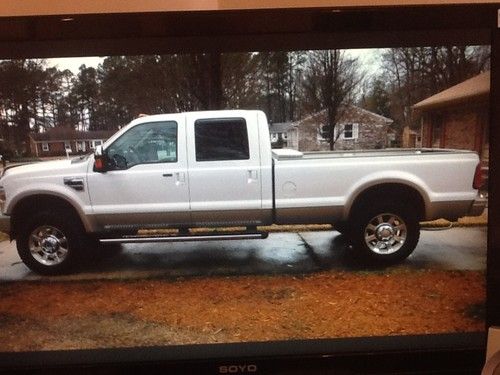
(232, 31)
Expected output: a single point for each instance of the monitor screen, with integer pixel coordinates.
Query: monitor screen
(299, 195)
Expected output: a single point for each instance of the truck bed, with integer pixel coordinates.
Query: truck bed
(442, 177)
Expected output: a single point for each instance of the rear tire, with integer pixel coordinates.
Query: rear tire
(384, 233)
(51, 242)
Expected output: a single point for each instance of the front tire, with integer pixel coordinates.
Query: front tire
(50, 242)
(384, 233)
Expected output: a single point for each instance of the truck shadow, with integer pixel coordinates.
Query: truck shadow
(281, 253)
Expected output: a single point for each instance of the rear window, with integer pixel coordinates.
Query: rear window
(221, 139)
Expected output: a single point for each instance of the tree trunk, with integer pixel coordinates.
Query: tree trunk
(215, 96)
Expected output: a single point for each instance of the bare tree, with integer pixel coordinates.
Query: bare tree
(199, 77)
(330, 83)
(240, 80)
(279, 78)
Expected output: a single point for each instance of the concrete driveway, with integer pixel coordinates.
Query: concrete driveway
(453, 249)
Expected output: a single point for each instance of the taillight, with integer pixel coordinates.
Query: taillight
(478, 177)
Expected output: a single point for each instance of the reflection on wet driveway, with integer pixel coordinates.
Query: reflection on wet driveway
(281, 252)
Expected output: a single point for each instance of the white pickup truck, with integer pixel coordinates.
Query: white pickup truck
(217, 169)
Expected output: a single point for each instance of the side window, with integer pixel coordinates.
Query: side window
(221, 139)
(154, 142)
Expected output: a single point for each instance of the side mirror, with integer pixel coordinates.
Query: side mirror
(99, 160)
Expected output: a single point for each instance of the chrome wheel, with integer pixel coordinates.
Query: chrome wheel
(48, 245)
(385, 234)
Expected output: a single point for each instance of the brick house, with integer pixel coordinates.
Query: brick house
(458, 117)
(357, 129)
(55, 141)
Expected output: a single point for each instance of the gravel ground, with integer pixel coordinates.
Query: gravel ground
(55, 315)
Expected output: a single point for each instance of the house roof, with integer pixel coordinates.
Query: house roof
(475, 88)
(68, 134)
(352, 110)
(281, 127)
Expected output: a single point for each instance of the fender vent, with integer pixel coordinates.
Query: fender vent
(74, 183)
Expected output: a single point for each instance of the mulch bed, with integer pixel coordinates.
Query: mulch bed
(50, 315)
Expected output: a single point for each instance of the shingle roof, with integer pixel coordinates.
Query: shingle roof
(63, 134)
(475, 88)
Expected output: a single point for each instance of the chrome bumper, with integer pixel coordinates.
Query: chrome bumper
(4, 223)
(477, 207)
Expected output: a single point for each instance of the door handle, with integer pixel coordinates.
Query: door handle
(167, 175)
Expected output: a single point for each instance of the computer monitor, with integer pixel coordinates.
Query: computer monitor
(426, 77)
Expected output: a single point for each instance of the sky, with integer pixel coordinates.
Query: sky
(74, 63)
(367, 58)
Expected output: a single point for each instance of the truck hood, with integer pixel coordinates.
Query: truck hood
(53, 167)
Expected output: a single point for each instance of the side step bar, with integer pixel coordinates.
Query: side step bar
(194, 237)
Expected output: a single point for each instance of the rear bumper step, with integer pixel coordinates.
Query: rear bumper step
(193, 237)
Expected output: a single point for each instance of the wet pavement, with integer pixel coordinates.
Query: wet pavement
(281, 253)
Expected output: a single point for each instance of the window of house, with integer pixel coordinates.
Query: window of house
(45, 146)
(350, 131)
(325, 131)
(221, 139)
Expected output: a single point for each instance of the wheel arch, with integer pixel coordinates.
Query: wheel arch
(395, 190)
(39, 202)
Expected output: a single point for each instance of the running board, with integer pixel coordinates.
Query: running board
(194, 237)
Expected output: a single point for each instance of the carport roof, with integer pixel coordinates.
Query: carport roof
(477, 87)
(67, 134)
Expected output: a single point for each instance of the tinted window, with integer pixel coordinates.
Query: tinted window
(154, 142)
(221, 139)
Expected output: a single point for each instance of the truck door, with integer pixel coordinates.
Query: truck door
(224, 169)
(145, 184)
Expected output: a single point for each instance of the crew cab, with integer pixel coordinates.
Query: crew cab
(217, 169)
